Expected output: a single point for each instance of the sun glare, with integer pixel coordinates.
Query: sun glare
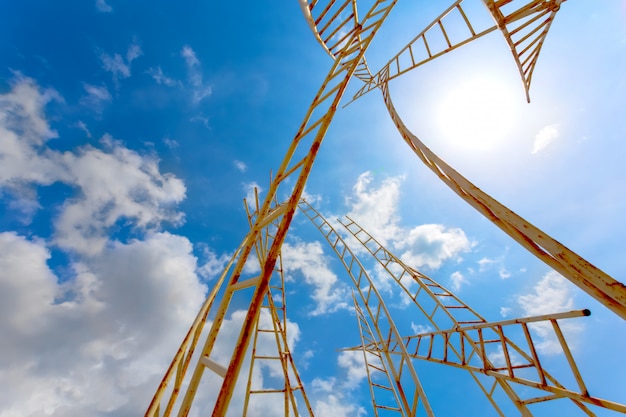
(478, 114)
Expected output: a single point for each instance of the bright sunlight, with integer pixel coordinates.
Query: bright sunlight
(478, 114)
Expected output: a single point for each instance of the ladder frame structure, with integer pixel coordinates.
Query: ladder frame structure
(460, 337)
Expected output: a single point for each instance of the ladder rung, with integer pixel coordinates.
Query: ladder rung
(245, 284)
(386, 407)
(214, 366)
(266, 391)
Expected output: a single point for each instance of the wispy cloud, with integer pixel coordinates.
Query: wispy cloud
(457, 280)
(190, 57)
(213, 265)
(102, 6)
(170, 143)
(194, 74)
(120, 66)
(160, 78)
(308, 260)
(545, 137)
(552, 294)
(96, 97)
(82, 126)
(201, 119)
(240, 165)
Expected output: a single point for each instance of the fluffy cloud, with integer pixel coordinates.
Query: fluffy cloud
(335, 405)
(24, 131)
(552, 294)
(98, 341)
(457, 279)
(265, 374)
(545, 137)
(115, 184)
(332, 396)
(308, 259)
(375, 209)
(213, 264)
(429, 245)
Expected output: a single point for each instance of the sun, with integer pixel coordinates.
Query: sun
(477, 114)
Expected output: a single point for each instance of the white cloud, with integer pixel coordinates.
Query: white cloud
(333, 395)
(240, 165)
(420, 328)
(265, 374)
(117, 184)
(194, 74)
(311, 198)
(160, 78)
(375, 209)
(484, 263)
(504, 273)
(190, 56)
(335, 405)
(505, 311)
(429, 245)
(248, 189)
(114, 184)
(457, 280)
(103, 7)
(498, 358)
(118, 65)
(97, 342)
(308, 259)
(24, 131)
(213, 264)
(353, 363)
(545, 137)
(552, 294)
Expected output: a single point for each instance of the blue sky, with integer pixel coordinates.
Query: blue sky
(130, 132)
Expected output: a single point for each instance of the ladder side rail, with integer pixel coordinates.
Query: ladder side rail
(370, 298)
(582, 273)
